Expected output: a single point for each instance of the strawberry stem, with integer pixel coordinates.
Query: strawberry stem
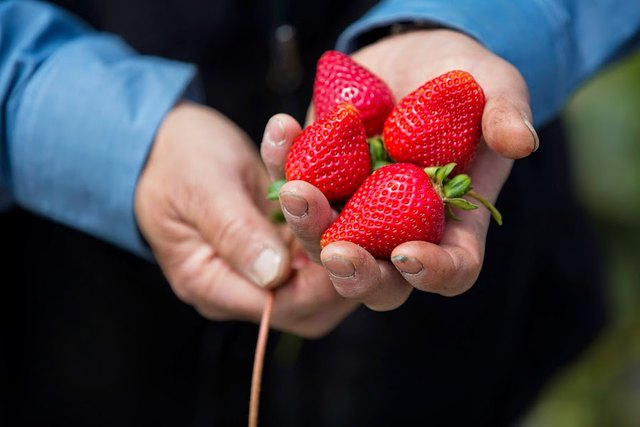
(497, 216)
(451, 191)
(258, 361)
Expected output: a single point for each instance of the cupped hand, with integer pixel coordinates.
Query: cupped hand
(405, 62)
(200, 204)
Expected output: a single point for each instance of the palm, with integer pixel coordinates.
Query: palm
(405, 62)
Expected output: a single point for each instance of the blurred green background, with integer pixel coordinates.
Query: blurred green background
(602, 388)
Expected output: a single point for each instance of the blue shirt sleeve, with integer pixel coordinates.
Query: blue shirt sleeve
(80, 110)
(556, 44)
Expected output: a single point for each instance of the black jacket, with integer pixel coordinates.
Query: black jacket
(96, 336)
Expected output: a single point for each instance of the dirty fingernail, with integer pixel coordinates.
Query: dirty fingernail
(266, 267)
(535, 141)
(340, 267)
(293, 204)
(407, 264)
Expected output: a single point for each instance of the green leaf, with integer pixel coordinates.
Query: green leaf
(378, 164)
(445, 171)
(378, 153)
(273, 192)
(461, 203)
(457, 186)
(431, 171)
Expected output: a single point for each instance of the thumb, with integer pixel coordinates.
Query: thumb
(243, 237)
(506, 121)
(279, 133)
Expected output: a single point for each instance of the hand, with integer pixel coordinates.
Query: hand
(405, 62)
(200, 203)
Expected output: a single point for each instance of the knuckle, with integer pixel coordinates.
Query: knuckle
(230, 229)
(499, 114)
(351, 289)
(304, 228)
(467, 277)
(209, 296)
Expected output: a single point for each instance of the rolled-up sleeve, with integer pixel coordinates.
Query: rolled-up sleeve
(80, 111)
(556, 44)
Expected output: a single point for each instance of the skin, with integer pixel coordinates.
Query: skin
(200, 203)
(405, 62)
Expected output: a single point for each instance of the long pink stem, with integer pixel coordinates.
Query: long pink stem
(258, 361)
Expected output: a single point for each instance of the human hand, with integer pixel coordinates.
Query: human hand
(200, 203)
(405, 62)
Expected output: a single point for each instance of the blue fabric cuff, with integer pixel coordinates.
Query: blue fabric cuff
(83, 129)
(521, 32)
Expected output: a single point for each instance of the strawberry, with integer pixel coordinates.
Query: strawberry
(340, 79)
(332, 153)
(437, 124)
(402, 202)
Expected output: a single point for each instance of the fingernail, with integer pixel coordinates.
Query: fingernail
(407, 264)
(293, 204)
(266, 267)
(274, 131)
(340, 267)
(536, 140)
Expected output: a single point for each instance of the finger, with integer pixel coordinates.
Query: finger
(311, 115)
(358, 276)
(308, 214)
(308, 305)
(506, 121)
(488, 173)
(221, 293)
(447, 270)
(241, 235)
(279, 133)
(452, 267)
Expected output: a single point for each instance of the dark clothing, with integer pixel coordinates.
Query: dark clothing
(93, 336)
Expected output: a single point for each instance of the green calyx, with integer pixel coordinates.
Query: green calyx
(273, 192)
(379, 156)
(451, 191)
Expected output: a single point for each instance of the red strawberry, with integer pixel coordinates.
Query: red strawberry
(332, 153)
(401, 202)
(437, 124)
(340, 79)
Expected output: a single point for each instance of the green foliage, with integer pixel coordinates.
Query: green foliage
(603, 122)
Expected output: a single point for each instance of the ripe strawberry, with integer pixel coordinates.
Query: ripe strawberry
(332, 154)
(437, 124)
(340, 79)
(402, 202)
